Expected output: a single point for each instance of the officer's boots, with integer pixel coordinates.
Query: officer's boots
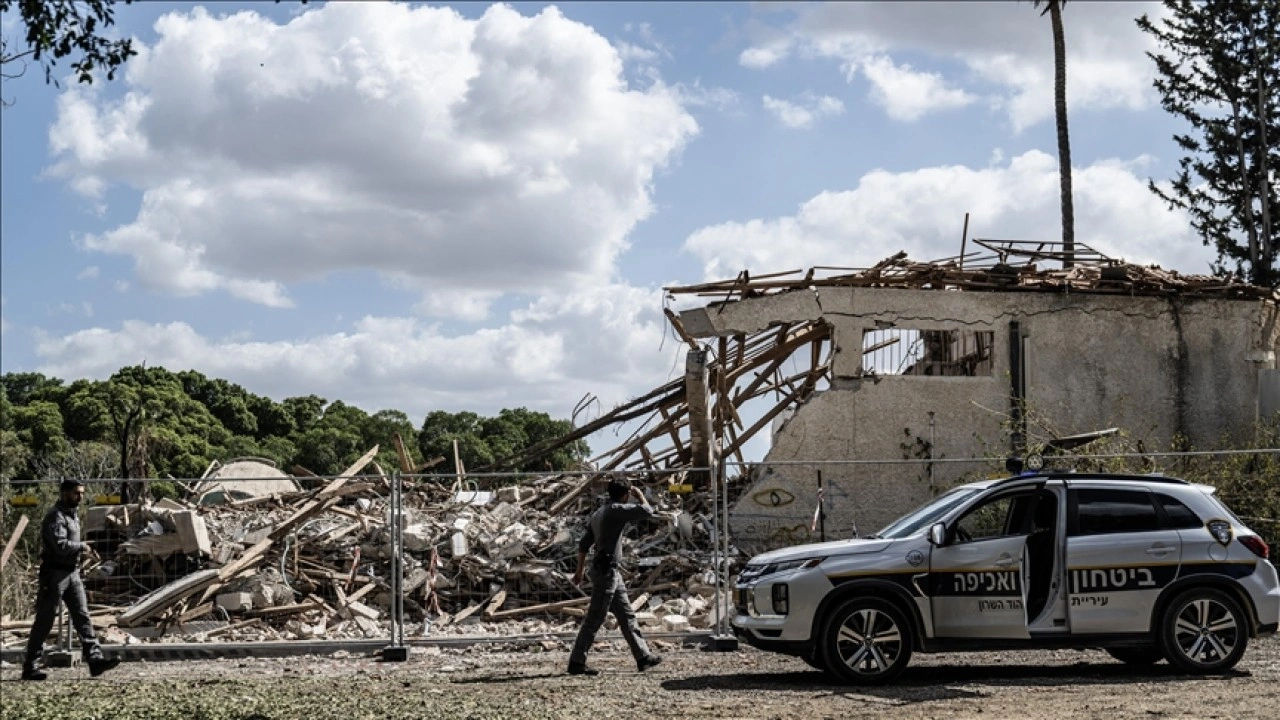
(29, 672)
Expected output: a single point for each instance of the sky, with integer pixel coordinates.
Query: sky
(473, 207)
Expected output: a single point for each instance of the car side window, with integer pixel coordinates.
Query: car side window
(1177, 515)
(1103, 512)
(990, 519)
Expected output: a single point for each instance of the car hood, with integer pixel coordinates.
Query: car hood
(826, 549)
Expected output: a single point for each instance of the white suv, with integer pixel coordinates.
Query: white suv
(1146, 567)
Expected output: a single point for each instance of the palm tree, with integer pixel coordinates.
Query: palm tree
(1054, 9)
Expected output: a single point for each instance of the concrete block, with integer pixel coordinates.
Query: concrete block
(675, 623)
(192, 533)
(234, 602)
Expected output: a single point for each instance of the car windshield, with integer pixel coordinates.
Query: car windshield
(926, 514)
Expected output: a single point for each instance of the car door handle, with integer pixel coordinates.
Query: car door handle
(1160, 549)
(1005, 561)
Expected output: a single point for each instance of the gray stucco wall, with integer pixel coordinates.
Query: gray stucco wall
(1157, 367)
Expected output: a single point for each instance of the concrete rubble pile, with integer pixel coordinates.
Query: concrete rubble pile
(315, 564)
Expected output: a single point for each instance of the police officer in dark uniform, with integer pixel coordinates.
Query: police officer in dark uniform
(608, 592)
(60, 581)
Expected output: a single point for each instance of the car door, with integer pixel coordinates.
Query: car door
(976, 582)
(1119, 557)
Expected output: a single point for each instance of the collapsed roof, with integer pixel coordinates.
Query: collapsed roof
(744, 367)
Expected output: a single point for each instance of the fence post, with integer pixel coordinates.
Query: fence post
(396, 651)
(722, 638)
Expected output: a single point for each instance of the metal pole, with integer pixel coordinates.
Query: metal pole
(932, 439)
(822, 511)
(396, 651)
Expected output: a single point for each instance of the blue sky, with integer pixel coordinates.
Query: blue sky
(422, 207)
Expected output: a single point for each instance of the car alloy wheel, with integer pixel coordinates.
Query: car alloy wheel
(1204, 631)
(867, 642)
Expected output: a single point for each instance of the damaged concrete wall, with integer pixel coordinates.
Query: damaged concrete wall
(1160, 367)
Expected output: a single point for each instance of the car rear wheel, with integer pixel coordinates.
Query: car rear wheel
(867, 642)
(1137, 655)
(1204, 631)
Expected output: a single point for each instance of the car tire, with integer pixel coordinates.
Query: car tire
(1137, 655)
(1204, 631)
(867, 642)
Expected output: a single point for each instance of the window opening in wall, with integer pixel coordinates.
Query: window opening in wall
(940, 353)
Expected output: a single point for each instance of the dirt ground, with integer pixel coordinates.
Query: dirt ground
(501, 682)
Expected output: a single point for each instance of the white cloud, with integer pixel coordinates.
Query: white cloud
(1005, 45)
(802, 114)
(906, 94)
(921, 211)
(761, 57)
(635, 53)
(604, 339)
(500, 154)
(88, 273)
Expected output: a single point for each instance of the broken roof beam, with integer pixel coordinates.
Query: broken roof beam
(668, 394)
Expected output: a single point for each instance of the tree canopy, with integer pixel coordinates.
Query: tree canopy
(1218, 69)
(150, 422)
(56, 29)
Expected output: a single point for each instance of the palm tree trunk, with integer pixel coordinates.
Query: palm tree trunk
(1064, 142)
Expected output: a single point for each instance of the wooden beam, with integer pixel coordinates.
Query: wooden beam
(679, 327)
(406, 463)
(13, 540)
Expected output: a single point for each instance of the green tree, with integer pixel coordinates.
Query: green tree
(56, 29)
(304, 412)
(26, 387)
(272, 418)
(226, 401)
(1054, 9)
(84, 416)
(6, 409)
(14, 456)
(1217, 69)
(39, 426)
(439, 431)
(156, 427)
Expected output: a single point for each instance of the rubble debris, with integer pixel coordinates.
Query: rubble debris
(316, 564)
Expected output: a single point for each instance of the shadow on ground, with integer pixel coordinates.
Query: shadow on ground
(927, 684)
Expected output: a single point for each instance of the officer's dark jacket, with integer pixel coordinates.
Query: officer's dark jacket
(604, 530)
(61, 536)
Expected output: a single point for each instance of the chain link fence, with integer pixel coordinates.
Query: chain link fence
(381, 558)
(393, 560)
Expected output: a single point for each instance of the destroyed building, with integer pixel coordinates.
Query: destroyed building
(948, 359)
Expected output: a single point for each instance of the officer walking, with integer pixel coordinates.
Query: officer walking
(608, 592)
(60, 581)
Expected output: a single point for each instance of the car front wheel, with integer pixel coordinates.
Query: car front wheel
(867, 642)
(1204, 631)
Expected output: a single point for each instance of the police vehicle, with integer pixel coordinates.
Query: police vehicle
(1146, 567)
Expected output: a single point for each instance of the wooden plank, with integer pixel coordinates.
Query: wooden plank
(465, 613)
(196, 612)
(494, 603)
(291, 609)
(233, 626)
(13, 540)
(406, 463)
(679, 327)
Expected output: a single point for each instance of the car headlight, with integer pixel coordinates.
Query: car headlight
(754, 572)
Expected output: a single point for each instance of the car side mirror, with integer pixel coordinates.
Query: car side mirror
(938, 534)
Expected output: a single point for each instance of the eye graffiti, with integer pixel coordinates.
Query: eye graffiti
(775, 497)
